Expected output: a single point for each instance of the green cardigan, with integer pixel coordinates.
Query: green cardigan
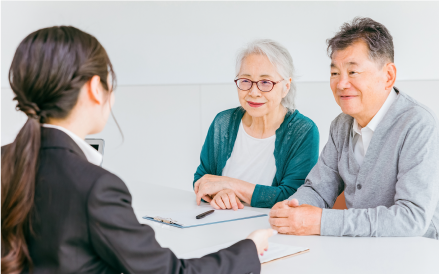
(296, 152)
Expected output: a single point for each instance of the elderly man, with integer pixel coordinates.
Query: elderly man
(383, 150)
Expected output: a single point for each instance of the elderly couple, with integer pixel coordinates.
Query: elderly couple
(382, 151)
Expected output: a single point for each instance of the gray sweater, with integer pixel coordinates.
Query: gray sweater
(395, 192)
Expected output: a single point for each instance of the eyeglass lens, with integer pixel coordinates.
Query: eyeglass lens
(263, 85)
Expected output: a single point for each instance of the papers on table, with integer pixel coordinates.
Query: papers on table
(275, 252)
(186, 218)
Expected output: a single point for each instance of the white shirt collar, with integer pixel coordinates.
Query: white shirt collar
(92, 155)
(373, 124)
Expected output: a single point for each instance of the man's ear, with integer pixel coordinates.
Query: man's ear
(390, 74)
(94, 91)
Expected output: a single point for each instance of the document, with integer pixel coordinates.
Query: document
(275, 252)
(187, 218)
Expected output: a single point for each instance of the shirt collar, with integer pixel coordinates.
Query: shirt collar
(373, 124)
(92, 155)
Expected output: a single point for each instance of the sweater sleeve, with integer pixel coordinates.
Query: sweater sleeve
(323, 184)
(204, 167)
(297, 168)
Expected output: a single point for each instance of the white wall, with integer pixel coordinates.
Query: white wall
(165, 126)
(175, 66)
(154, 43)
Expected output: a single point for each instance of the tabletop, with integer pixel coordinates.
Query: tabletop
(327, 254)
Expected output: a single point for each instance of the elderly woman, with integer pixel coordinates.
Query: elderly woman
(259, 153)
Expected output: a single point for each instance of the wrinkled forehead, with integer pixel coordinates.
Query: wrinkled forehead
(354, 55)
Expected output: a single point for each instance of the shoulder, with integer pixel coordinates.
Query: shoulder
(342, 122)
(415, 113)
(75, 170)
(226, 120)
(298, 123)
(2, 150)
(229, 115)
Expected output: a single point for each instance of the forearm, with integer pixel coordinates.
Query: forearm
(307, 195)
(405, 220)
(244, 190)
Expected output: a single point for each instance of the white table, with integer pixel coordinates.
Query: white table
(327, 254)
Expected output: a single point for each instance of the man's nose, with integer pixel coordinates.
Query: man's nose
(343, 82)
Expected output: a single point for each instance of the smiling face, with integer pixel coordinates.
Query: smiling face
(360, 85)
(257, 67)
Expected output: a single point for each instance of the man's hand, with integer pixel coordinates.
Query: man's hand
(226, 199)
(288, 217)
(209, 185)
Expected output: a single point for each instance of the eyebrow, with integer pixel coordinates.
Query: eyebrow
(263, 75)
(350, 63)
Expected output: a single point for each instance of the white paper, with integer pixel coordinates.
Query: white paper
(187, 217)
(275, 251)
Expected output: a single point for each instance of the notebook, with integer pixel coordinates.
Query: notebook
(186, 218)
(275, 252)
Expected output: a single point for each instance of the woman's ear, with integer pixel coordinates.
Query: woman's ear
(287, 87)
(94, 90)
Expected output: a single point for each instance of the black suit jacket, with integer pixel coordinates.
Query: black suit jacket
(83, 222)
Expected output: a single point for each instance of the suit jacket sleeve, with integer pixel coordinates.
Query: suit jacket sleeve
(130, 247)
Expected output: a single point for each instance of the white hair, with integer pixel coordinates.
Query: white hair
(279, 57)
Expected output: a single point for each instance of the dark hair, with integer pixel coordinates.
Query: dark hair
(374, 34)
(48, 70)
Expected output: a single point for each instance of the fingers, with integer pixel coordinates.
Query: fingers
(282, 229)
(293, 203)
(207, 198)
(198, 198)
(214, 205)
(226, 200)
(240, 205)
(279, 221)
(196, 186)
(232, 199)
(219, 202)
(280, 213)
(279, 205)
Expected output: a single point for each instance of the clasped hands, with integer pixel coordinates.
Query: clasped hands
(218, 191)
(288, 217)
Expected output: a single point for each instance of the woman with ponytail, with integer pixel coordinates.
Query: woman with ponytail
(61, 212)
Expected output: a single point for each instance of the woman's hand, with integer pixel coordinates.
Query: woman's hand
(260, 237)
(210, 185)
(226, 199)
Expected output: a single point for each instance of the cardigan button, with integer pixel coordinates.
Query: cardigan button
(359, 186)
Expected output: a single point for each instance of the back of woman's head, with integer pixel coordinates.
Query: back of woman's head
(47, 73)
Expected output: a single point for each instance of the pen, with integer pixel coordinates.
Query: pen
(202, 215)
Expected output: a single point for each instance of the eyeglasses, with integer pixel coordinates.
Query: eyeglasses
(263, 85)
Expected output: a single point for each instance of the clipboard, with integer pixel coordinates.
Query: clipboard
(186, 218)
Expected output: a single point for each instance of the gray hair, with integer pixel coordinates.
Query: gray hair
(374, 34)
(279, 57)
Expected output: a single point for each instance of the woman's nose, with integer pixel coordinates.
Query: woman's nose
(254, 91)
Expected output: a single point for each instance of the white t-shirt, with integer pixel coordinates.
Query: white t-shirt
(252, 159)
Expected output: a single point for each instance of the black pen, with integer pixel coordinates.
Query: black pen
(202, 215)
